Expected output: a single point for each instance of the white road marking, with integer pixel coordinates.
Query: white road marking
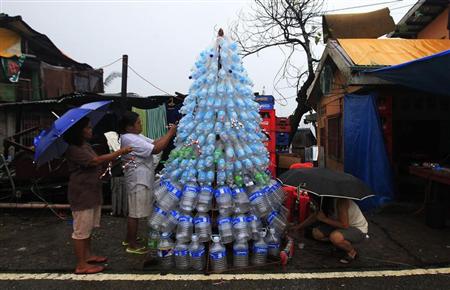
(225, 277)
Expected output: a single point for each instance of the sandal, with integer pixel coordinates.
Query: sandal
(97, 259)
(125, 243)
(347, 259)
(138, 251)
(89, 270)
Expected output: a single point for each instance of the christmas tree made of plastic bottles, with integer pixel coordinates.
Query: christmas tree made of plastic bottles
(219, 156)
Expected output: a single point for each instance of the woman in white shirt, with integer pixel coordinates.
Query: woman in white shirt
(341, 222)
(139, 178)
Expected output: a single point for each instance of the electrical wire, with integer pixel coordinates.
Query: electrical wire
(360, 6)
(110, 64)
(147, 81)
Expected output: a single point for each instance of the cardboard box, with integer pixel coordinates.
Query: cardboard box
(285, 160)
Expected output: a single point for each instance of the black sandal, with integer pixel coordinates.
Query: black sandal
(347, 259)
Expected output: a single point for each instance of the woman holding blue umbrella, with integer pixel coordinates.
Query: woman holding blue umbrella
(85, 192)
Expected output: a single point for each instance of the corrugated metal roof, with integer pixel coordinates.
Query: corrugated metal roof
(39, 43)
(418, 17)
(381, 52)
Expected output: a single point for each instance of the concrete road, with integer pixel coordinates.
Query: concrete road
(436, 279)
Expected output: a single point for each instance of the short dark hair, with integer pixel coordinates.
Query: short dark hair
(129, 118)
(74, 136)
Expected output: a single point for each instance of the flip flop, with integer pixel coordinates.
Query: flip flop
(90, 270)
(125, 243)
(138, 251)
(346, 259)
(97, 259)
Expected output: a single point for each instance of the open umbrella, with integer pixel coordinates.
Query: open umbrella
(50, 144)
(324, 182)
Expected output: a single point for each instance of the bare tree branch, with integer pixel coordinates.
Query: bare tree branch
(288, 24)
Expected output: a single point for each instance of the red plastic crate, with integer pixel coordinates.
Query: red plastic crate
(271, 144)
(273, 171)
(283, 128)
(297, 202)
(273, 159)
(284, 121)
(268, 120)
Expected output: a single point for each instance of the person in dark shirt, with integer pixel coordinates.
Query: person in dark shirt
(85, 192)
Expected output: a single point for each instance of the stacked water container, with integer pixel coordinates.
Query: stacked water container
(215, 192)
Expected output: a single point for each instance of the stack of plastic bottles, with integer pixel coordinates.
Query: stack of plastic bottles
(219, 166)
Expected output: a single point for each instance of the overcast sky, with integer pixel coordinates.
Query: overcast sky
(161, 38)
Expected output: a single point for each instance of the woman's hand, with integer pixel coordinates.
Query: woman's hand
(125, 150)
(172, 129)
(321, 216)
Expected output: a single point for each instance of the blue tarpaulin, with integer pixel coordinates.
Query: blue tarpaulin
(430, 74)
(365, 154)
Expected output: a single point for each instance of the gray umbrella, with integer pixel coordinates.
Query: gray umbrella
(324, 182)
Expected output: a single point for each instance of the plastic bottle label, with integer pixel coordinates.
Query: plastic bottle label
(239, 220)
(202, 220)
(255, 195)
(224, 221)
(218, 255)
(191, 188)
(181, 253)
(175, 214)
(206, 188)
(237, 190)
(177, 192)
(165, 253)
(252, 218)
(197, 254)
(240, 252)
(184, 218)
(160, 211)
(273, 246)
(222, 190)
(169, 186)
(272, 216)
(259, 250)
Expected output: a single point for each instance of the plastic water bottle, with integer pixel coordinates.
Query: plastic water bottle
(218, 255)
(189, 197)
(284, 212)
(241, 202)
(184, 228)
(224, 200)
(225, 229)
(276, 221)
(171, 199)
(278, 191)
(273, 243)
(205, 197)
(153, 239)
(271, 198)
(157, 219)
(181, 253)
(197, 254)
(171, 221)
(165, 251)
(254, 224)
(260, 250)
(240, 253)
(202, 224)
(160, 189)
(240, 228)
(259, 203)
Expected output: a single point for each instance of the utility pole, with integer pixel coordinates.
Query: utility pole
(124, 81)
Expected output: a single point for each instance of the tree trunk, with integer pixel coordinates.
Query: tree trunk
(296, 117)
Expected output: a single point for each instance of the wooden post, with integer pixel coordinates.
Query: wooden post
(124, 81)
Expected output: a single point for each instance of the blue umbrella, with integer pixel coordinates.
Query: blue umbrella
(50, 144)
